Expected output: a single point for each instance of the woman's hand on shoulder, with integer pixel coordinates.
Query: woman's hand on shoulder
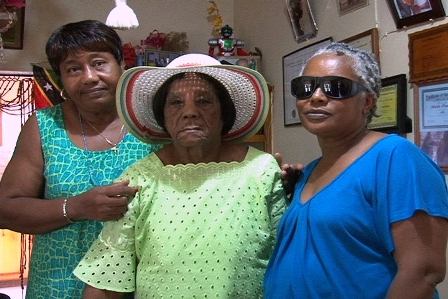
(103, 203)
(290, 173)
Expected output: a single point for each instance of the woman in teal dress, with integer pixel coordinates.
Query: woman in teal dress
(59, 184)
(204, 221)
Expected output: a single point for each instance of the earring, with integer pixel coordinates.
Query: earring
(62, 95)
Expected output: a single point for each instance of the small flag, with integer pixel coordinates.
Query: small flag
(47, 87)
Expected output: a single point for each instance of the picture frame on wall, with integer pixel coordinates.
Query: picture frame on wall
(346, 6)
(301, 19)
(13, 37)
(428, 58)
(431, 114)
(391, 106)
(292, 65)
(367, 40)
(410, 12)
(155, 57)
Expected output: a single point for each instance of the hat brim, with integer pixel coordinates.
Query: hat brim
(137, 87)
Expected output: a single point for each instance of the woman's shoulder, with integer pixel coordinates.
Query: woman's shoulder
(50, 111)
(261, 158)
(146, 167)
(50, 118)
(397, 150)
(149, 162)
(393, 141)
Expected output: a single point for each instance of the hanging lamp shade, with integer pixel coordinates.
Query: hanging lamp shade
(122, 16)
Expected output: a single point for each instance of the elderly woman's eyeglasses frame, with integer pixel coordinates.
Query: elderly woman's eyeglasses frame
(333, 87)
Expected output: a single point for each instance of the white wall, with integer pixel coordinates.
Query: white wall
(44, 16)
(260, 23)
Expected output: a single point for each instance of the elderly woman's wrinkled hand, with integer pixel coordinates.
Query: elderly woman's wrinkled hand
(290, 173)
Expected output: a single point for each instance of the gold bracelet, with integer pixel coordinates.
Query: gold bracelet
(64, 211)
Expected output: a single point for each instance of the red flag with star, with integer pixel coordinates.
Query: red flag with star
(47, 87)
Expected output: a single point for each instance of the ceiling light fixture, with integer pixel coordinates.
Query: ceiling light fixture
(122, 16)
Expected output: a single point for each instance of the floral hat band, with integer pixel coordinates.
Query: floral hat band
(138, 86)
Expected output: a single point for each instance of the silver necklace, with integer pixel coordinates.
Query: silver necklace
(114, 145)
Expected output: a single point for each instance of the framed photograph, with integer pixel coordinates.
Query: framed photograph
(410, 12)
(367, 40)
(292, 65)
(345, 6)
(252, 61)
(391, 106)
(301, 19)
(431, 114)
(158, 57)
(13, 37)
(428, 58)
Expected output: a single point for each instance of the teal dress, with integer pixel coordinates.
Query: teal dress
(70, 171)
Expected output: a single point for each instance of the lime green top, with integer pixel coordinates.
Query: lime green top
(192, 231)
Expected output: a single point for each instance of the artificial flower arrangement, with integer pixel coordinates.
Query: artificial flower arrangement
(172, 41)
(215, 18)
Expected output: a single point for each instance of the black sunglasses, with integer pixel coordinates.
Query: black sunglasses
(333, 87)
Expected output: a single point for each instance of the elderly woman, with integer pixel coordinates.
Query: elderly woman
(369, 217)
(204, 220)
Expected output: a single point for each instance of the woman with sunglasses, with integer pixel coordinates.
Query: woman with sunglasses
(369, 217)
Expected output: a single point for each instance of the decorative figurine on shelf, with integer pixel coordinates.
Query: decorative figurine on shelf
(227, 45)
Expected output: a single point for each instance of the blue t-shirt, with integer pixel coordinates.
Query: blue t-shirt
(339, 243)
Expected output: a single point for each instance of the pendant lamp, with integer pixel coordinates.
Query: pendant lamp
(122, 16)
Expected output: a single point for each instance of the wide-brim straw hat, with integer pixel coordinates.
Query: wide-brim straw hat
(137, 87)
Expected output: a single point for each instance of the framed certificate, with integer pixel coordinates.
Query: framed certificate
(428, 58)
(367, 40)
(391, 106)
(431, 113)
